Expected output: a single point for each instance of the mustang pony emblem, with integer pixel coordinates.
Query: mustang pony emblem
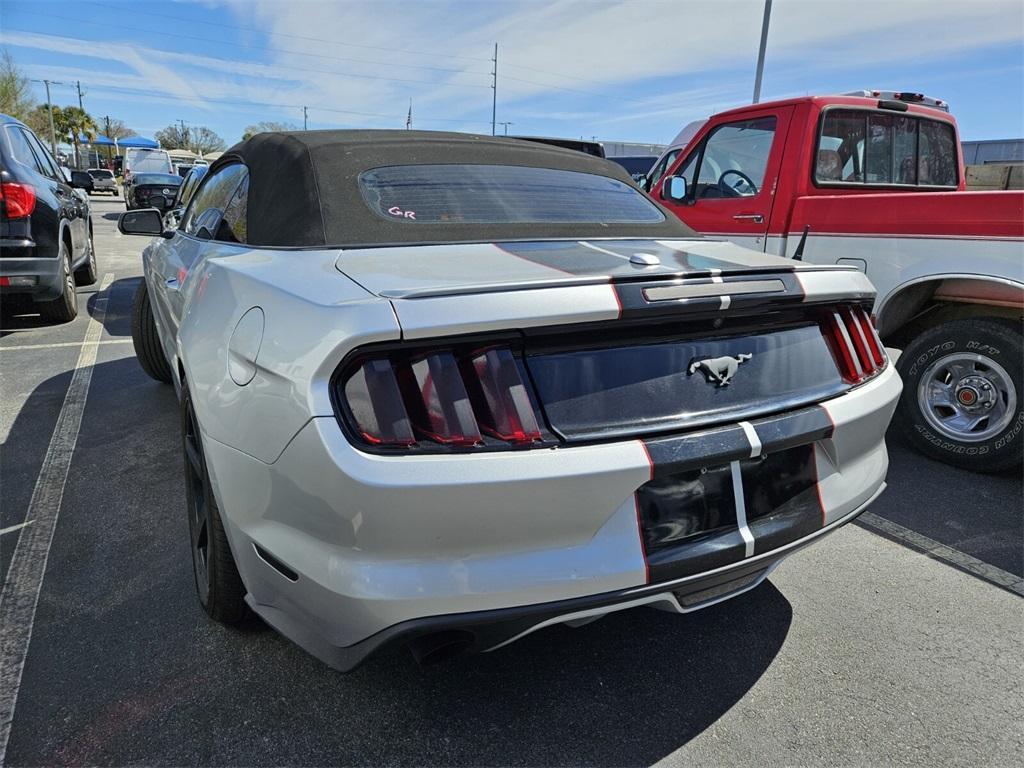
(719, 369)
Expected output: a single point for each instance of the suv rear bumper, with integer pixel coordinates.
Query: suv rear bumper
(18, 261)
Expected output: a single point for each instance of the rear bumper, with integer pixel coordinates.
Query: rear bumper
(17, 261)
(378, 548)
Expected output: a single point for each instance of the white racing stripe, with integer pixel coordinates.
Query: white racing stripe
(755, 441)
(20, 594)
(741, 508)
(603, 250)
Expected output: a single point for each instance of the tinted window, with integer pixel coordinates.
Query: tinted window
(868, 147)
(501, 194)
(49, 165)
(659, 170)
(735, 159)
(232, 228)
(156, 178)
(97, 173)
(211, 200)
(21, 152)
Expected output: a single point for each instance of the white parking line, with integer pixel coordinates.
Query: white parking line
(20, 594)
(55, 345)
(947, 554)
(13, 528)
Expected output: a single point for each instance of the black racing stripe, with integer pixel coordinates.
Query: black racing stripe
(570, 257)
(777, 433)
(670, 455)
(634, 303)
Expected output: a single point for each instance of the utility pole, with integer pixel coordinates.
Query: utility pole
(53, 133)
(78, 85)
(494, 99)
(760, 53)
(184, 133)
(305, 119)
(106, 121)
(506, 123)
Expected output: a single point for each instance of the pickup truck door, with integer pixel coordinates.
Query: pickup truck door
(731, 175)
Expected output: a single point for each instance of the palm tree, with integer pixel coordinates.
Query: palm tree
(78, 123)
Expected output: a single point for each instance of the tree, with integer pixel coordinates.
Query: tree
(199, 139)
(39, 121)
(15, 90)
(116, 129)
(76, 122)
(268, 127)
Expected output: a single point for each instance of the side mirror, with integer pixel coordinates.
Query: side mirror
(81, 180)
(148, 221)
(643, 183)
(673, 190)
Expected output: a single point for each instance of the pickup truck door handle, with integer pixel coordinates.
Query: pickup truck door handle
(757, 218)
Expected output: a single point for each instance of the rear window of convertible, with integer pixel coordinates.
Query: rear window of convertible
(501, 194)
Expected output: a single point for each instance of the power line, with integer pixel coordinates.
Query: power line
(303, 37)
(244, 103)
(572, 90)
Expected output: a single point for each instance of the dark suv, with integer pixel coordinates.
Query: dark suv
(46, 243)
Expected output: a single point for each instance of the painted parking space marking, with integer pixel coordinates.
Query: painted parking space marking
(944, 553)
(56, 345)
(20, 594)
(13, 528)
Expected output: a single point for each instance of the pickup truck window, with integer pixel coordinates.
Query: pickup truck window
(734, 159)
(883, 149)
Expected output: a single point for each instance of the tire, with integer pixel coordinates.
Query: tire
(86, 274)
(218, 585)
(145, 338)
(64, 308)
(963, 394)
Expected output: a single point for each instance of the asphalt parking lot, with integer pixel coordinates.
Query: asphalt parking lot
(897, 640)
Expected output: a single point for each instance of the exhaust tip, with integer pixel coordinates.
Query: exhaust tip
(435, 648)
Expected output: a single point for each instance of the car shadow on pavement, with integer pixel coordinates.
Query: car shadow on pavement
(19, 313)
(124, 667)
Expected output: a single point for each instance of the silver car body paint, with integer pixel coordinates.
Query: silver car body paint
(379, 540)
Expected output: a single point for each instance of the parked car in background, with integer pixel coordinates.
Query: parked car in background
(186, 190)
(152, 190)
(103, 181)
(879, 184)
(452, 389)
(46, 243)
(636, 166)
(138, 160)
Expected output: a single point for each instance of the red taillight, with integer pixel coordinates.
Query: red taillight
(445, 398)
(447, 416)
(503, 403)
(854, 342)
(19, 199)
(376, 405)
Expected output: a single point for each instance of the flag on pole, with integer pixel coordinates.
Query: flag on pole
(408, 118)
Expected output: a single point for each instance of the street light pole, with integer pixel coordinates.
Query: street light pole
(494, 97)
(305, 119)
(760, 53)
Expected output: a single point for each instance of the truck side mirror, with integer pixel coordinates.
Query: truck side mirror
(673, 190)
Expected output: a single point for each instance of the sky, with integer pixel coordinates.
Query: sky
(627, 70)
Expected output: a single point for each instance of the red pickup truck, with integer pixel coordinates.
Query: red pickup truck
(878, 183)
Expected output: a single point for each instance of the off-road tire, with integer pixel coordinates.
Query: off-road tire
(993, 340)
(148, 349)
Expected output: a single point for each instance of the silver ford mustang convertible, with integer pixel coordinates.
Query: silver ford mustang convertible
(447, 390)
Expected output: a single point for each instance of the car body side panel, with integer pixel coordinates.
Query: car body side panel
(310, 324)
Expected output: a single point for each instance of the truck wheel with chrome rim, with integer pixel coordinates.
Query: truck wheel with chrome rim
(963, 394)
(218, 585)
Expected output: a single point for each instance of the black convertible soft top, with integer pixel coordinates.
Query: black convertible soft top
(304, 188)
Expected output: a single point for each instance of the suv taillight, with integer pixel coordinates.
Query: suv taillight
(19, 200)
(854, 343)
(432, 400)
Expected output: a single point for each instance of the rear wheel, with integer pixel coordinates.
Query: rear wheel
(145, 338)
(963, 394)
(64, 308)
(218, 585)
